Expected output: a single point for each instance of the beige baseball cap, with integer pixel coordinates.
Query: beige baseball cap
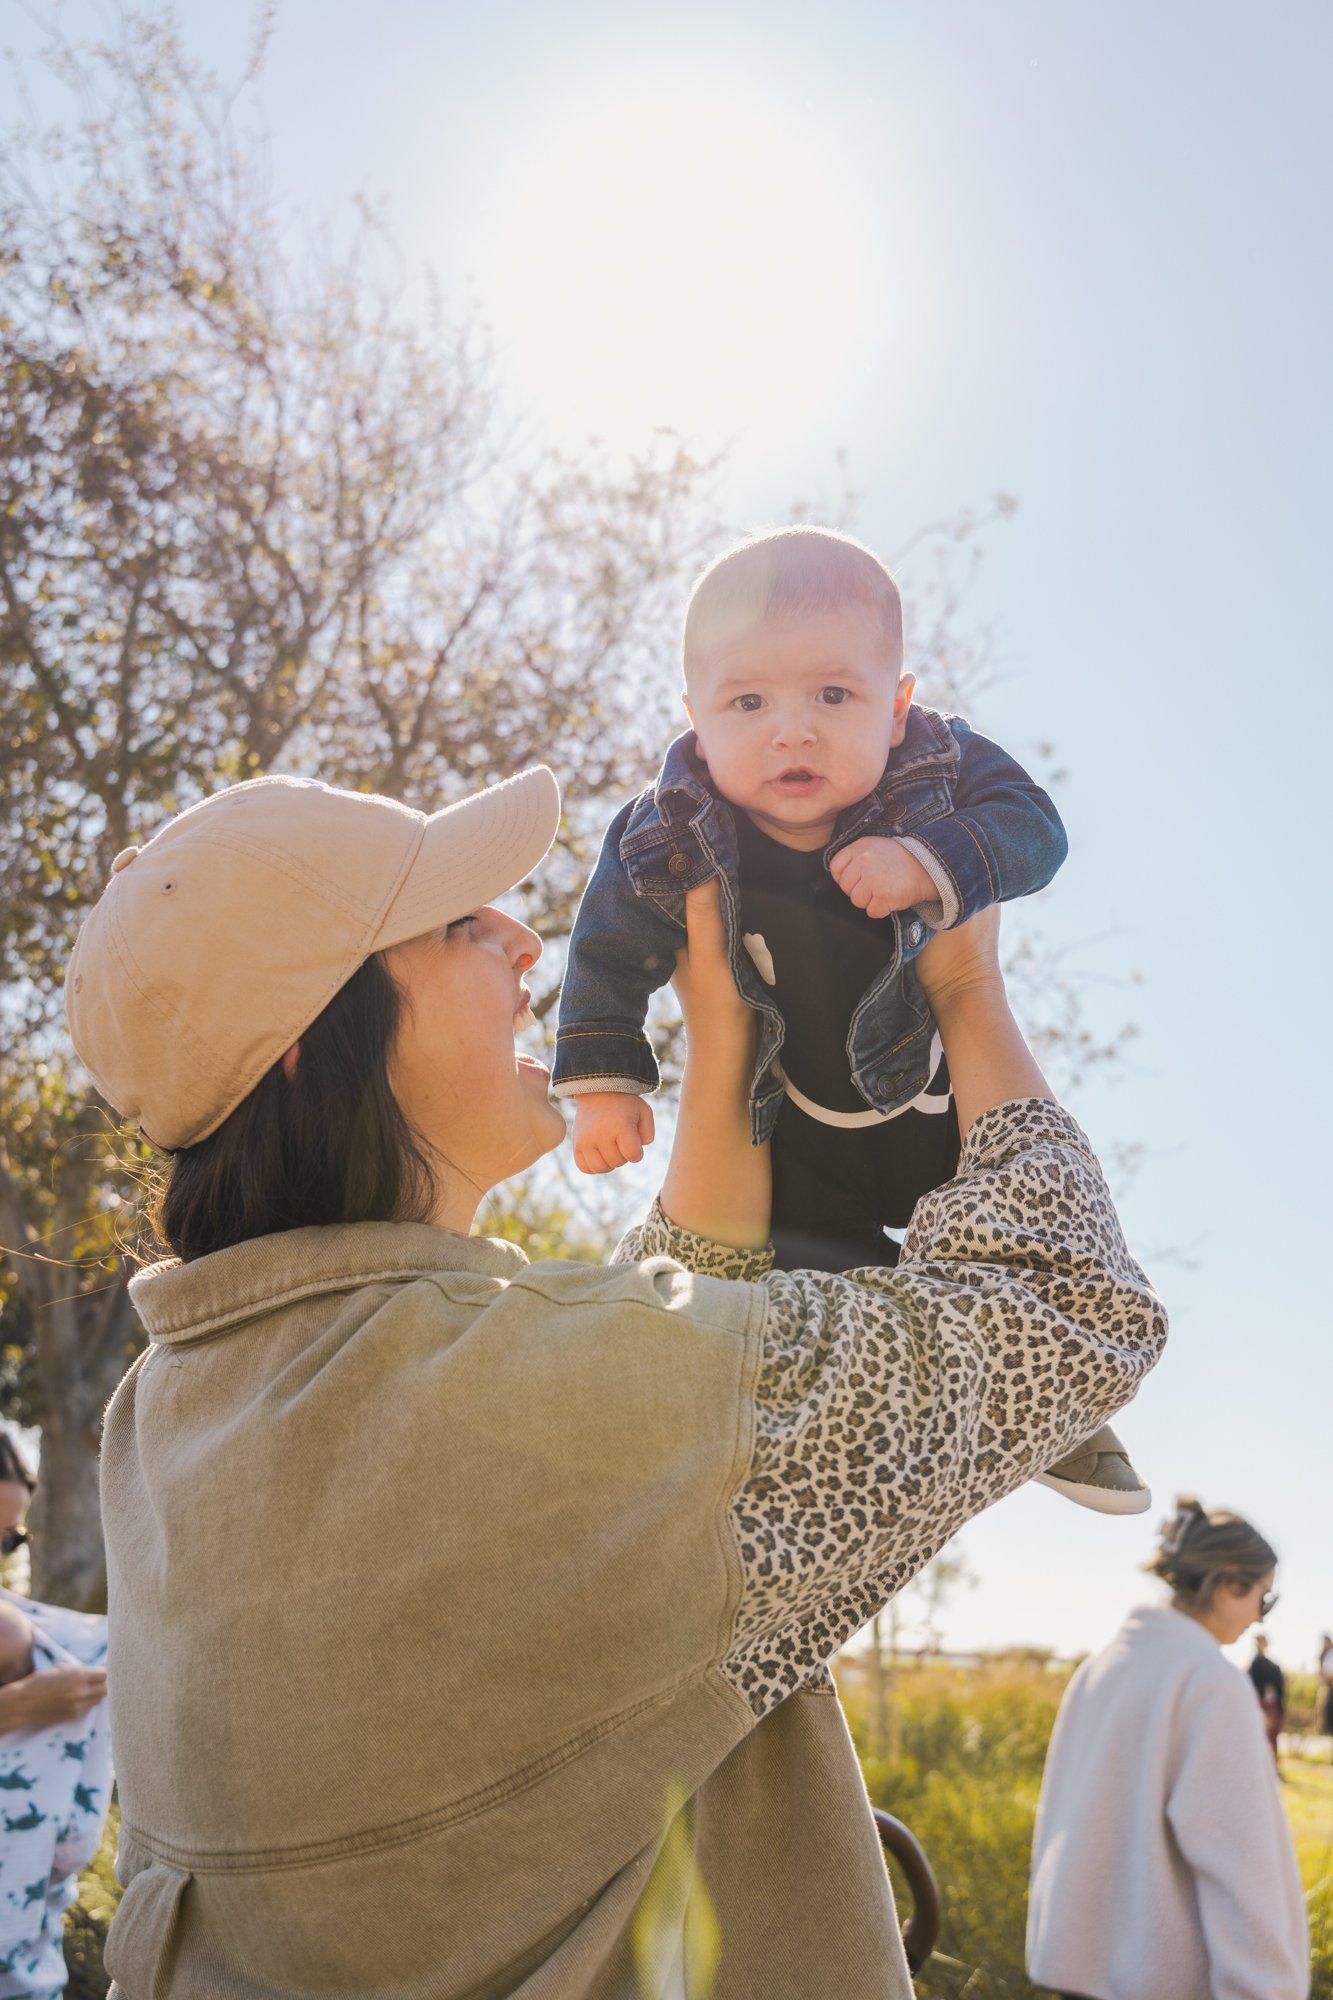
(219, 941)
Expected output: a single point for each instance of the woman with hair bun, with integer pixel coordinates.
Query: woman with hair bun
(1162, 1862)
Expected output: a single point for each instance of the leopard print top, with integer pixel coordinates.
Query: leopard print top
(893, 1405)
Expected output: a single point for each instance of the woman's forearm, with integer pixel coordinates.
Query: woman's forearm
(718, 1184)
(989, 1060)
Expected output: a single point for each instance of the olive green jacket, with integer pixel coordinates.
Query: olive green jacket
(431, 1667)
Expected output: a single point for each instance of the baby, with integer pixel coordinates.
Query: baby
(844, 826)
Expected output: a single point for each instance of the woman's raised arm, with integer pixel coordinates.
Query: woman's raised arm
(989, 1061)
(718, 1185)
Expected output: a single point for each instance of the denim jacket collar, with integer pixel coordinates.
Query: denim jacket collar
(683, 784)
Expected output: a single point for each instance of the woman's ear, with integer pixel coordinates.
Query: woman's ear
(290, 1060)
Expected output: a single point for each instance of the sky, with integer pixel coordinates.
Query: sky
(1076, 254)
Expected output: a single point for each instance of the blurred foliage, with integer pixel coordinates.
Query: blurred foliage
(86, 1925)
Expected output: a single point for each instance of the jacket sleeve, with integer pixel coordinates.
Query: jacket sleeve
(893, 1405)
(1224, 1810)
(622, 948)
(1003, 838)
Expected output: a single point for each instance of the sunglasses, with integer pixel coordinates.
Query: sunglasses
(1266, 1602)
(13, 1538)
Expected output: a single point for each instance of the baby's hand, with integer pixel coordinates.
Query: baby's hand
(881, 876)
(611, 1128)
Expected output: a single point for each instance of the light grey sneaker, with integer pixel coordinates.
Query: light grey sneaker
(1099, 1475)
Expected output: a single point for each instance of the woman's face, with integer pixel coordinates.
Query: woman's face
(14, 1499)
(1233, 1612)
(484, 1109)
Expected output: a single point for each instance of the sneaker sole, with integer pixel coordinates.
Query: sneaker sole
(1101, 1499)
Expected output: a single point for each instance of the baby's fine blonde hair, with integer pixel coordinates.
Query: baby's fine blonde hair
(789, 573)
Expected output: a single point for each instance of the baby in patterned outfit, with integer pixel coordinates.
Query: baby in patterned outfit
(846, 826)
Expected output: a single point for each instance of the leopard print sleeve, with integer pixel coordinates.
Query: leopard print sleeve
(892, 1405)
(656, 1236)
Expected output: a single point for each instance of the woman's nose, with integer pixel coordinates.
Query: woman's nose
(525, 948)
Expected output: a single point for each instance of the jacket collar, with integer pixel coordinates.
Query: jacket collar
(683, 780)
(183, 1302)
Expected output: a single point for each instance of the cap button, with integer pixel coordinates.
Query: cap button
(123, 859)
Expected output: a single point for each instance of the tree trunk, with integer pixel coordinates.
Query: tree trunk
(83, 1348)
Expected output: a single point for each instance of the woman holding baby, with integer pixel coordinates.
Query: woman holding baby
(469, 1617)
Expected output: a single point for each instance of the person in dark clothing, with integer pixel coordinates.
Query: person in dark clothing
(1270, 1684)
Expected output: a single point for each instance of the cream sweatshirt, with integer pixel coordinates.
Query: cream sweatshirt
(1162, 1862)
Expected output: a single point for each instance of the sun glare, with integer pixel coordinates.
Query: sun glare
(680, 256)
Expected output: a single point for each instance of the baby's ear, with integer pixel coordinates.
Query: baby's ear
(698, 746)
(902, 701)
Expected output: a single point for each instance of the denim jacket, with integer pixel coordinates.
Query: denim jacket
(979, 825)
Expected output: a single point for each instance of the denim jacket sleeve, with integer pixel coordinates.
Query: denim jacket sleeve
(1003, 838)
(622, 948)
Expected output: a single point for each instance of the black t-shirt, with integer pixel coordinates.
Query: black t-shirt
(1268, 1677)
(816, 951)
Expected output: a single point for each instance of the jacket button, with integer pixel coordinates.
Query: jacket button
(914, 935)
(678, 864)
(893, 808)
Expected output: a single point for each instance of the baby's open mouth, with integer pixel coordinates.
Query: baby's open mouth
(799, 774)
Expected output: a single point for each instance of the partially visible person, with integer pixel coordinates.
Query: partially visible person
(1326, 1678)
(59, 1694)
(1162, 1863)
(1270, 1684)
(55, 1786)
(15, 1643)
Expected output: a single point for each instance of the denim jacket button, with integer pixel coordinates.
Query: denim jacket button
(679, 864)
(894, 808)
(914, 935)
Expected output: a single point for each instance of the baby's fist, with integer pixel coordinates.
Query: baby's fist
(611, 1128)
(881, 876)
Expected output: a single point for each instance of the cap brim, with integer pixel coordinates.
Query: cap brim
(471, 852)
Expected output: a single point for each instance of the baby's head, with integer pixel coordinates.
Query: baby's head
(15, 1644)
(793, 664)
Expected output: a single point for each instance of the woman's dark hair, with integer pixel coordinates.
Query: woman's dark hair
(13, 1470)
(1197, 1552)
(328, 1144)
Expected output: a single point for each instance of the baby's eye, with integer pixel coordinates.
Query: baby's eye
(748, 703)
(832, 696)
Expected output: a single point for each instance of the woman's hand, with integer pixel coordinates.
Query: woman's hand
(962, 961)
(717, 1184)
(989, 1061)
(58, 1694)
(703, 978)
